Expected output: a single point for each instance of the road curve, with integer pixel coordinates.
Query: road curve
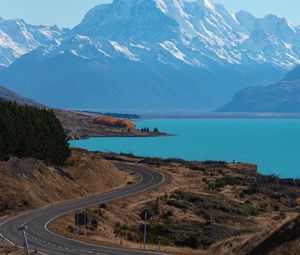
(47, 242)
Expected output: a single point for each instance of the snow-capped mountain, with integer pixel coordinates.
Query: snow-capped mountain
(18, 38)
(193, 32)
(163, 53)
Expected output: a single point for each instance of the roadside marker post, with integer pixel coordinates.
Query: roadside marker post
(85, 223)
(145, 230)
(230, 252)
(159, 243)
(26, 246)
(145, 216)
(77, 219)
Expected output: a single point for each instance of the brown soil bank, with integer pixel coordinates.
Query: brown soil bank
(30, 183)
(285, 240)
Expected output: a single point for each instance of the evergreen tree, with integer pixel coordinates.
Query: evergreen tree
(27, 131)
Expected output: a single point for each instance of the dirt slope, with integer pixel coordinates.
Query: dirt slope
(30, 183)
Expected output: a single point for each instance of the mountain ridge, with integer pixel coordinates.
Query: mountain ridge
(282, 97)
(150, 53)
(18, 38)
(6, 94)
(155, 22)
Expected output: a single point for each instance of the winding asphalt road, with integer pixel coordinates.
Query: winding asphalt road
(47, 242)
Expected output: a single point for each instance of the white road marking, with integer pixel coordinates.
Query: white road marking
(89, 202)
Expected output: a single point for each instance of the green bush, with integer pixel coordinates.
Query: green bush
(220, 183)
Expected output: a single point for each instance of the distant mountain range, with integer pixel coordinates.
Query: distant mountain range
(18, 38)
(8, 95)
(283, 96)
(149, 54)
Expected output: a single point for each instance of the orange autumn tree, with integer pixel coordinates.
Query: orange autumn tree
(298, 201)
(114, 122)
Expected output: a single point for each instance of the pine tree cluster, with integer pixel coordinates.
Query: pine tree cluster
(27, 131)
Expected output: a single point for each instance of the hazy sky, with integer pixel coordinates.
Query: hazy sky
(69, 13)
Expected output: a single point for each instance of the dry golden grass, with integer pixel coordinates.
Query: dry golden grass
(30, 183)
(126, 211)
(89, 173)
(7, 249)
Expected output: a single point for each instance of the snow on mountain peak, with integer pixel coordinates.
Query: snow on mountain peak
(209, 4)
(173, 50)
(124, 50)
(18, 38)
(162, 6)
(191, 31)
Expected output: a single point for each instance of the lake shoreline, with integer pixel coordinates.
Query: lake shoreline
(82, 126)
(273, 145)
(127, 135)
(218, 115)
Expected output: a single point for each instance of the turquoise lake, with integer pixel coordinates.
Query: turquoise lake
(272, 144)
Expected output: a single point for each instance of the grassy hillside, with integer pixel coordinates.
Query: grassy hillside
(204, 209)
(30, 183)
(8, 95)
